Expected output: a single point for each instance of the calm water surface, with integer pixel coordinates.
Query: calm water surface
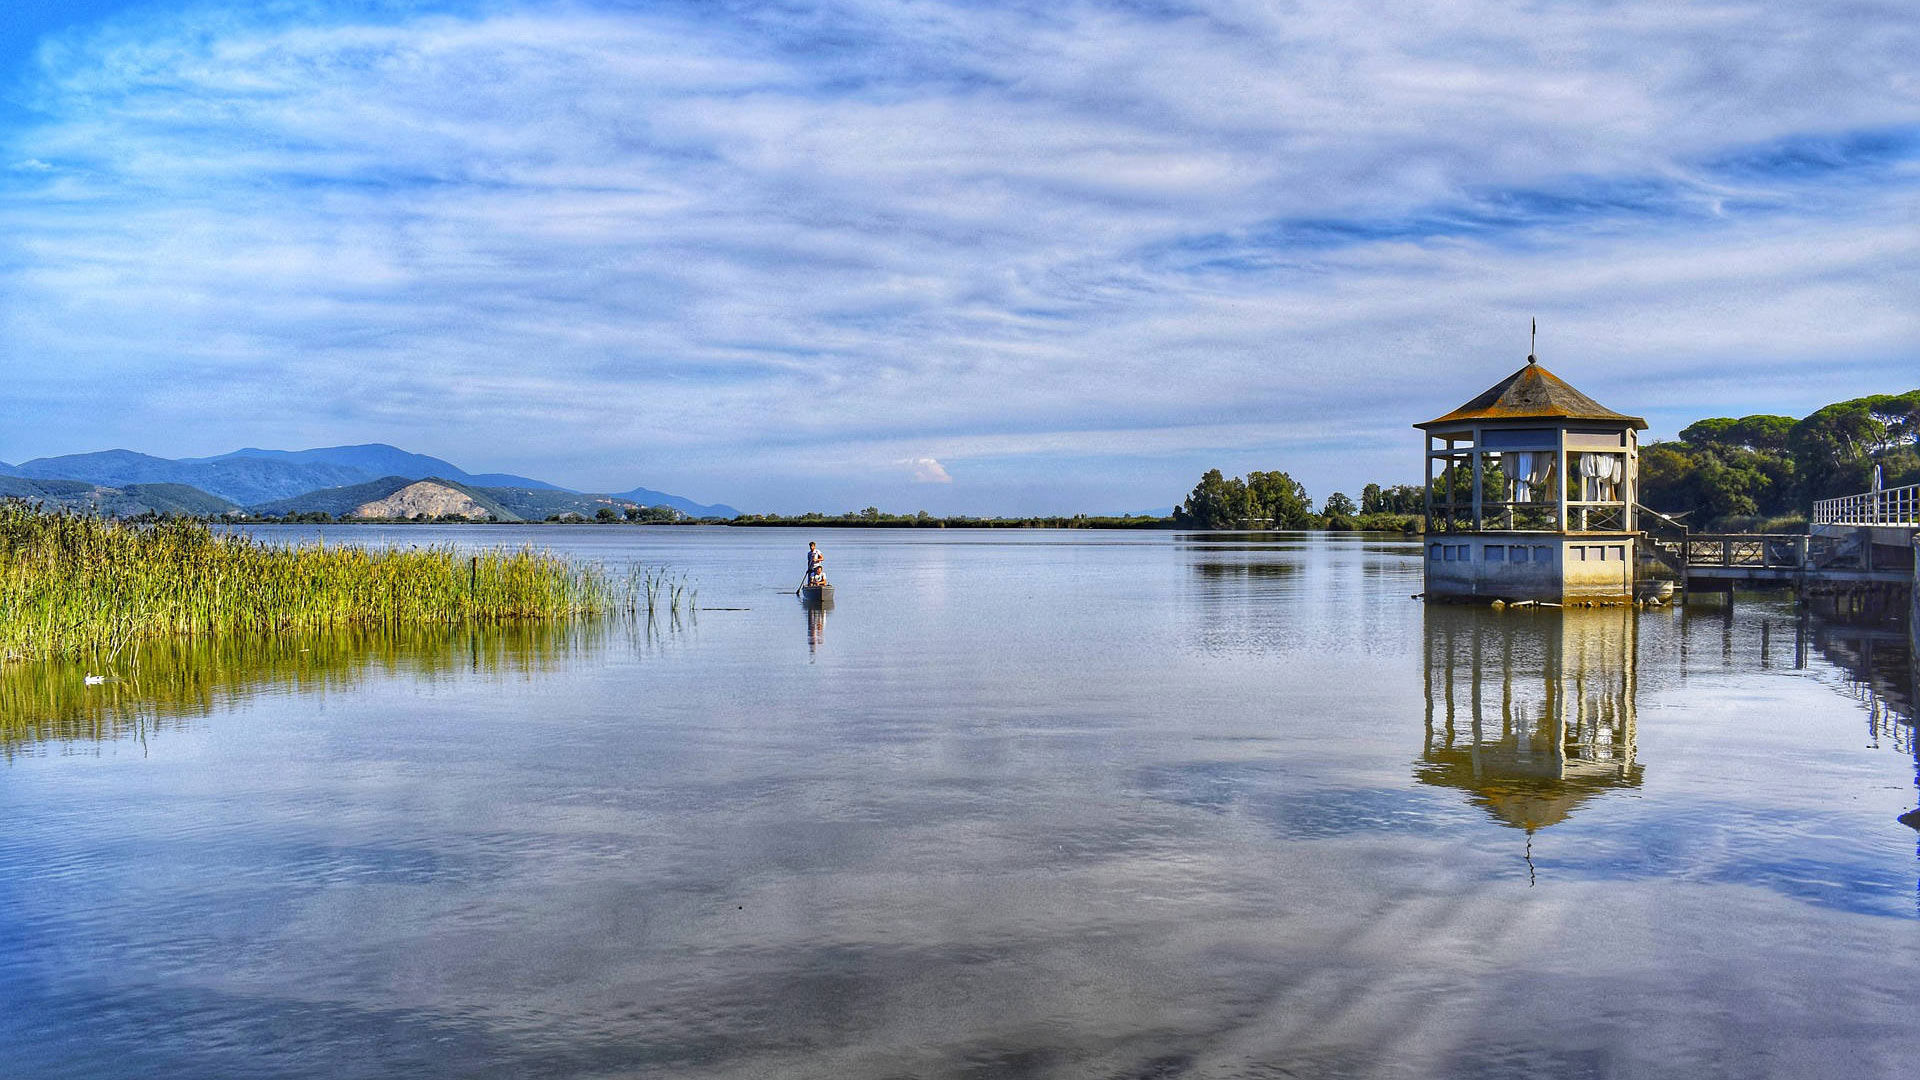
(1040, 804)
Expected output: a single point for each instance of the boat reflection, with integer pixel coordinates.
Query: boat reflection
(1530, 713)
(816, 623)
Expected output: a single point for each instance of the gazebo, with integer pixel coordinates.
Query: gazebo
(1530, 493)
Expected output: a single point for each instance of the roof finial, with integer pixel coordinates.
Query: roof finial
(1532, 335)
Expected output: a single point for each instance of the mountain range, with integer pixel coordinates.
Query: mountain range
(325, 479)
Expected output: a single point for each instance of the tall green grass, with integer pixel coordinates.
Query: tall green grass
(81, 588)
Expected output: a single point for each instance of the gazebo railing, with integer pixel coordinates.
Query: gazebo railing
(1891, 506)
(1537, 516)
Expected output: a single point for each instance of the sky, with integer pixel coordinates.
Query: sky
(1026, 257)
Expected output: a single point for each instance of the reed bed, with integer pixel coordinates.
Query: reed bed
(80, 588)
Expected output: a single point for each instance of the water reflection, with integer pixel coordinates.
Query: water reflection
(169, 681)
(816, 623)
(1046, 811)
(1875, 658)
(1229, 570)
(1531, 714)
(1881, 675)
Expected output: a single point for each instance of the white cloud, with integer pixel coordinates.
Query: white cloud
(927, 470)
(735, 245)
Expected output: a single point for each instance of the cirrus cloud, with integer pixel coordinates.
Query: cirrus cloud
(1086, 249)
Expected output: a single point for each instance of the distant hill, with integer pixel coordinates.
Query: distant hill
(128, 501)
(253, 477)
(429, 499)
(539, 505)
(383, 498)
(377, 460)
(506, 503)
(649, 497)
(396, 496)
(238, 480)
(165, 499)
(73, 494)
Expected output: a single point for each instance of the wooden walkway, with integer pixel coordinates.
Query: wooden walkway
(1865, 541)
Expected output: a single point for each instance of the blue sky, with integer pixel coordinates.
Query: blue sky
(1015, 257)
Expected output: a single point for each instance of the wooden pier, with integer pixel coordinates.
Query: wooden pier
(1858, 547)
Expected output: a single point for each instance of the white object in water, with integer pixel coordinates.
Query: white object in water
(95, 680)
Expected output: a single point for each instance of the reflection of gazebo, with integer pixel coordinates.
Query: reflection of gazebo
(1546, 701)
(1507, 786)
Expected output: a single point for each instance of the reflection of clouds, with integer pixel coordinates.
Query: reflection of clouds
(1262, 792)
(1278, 594)
(339, 1038)
(1445, 980)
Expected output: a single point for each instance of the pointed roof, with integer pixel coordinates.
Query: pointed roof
(1534, 393)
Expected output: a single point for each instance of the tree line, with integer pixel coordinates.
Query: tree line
(1727, 472)
(875, 518)
(1275, 500)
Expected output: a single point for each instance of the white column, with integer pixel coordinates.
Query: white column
(1629, 488)
(1426, 478)
(1477, 456)
(1560, 480)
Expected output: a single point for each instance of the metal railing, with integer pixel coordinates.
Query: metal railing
(1892, 506)
(1771, 551)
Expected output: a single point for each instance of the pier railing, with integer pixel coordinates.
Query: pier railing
(1891, 506)
(1768, 551)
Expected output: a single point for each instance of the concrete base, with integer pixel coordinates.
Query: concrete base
(1881, 547)
(1559, 568)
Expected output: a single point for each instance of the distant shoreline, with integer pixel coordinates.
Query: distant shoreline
(1103, 524)
(826, 523)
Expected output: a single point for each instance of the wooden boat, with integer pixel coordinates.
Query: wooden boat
(816, 594)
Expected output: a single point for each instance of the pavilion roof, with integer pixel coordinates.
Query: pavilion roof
(1534, 393)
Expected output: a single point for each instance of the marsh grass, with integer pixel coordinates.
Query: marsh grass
(660, 590)
(81, 588)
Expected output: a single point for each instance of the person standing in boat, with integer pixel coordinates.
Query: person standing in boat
(816, 565)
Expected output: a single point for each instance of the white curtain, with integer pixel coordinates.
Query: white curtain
(1605, 471)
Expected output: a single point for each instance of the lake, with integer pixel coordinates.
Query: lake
(1021, 804)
